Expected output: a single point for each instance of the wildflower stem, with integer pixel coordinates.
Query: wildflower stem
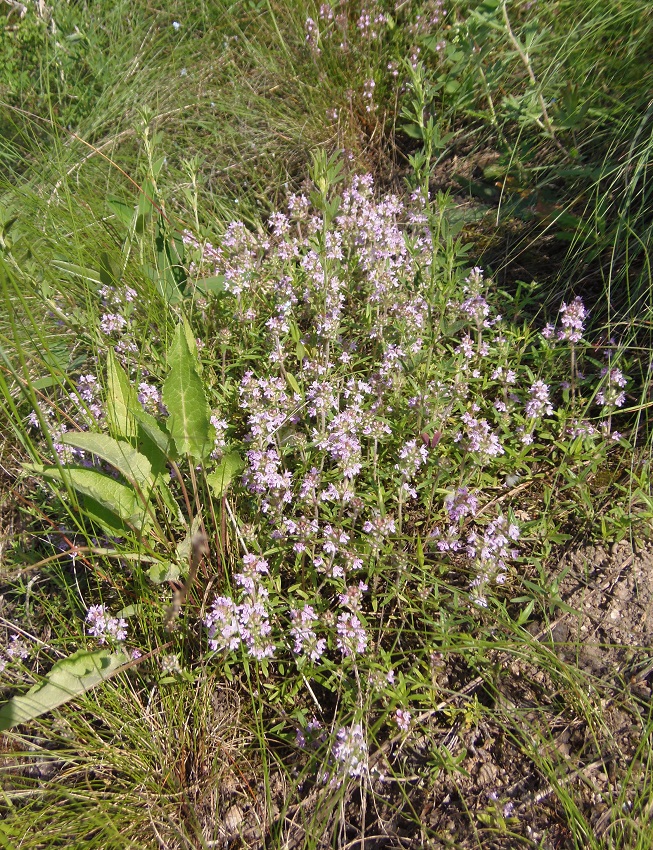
(546, 121)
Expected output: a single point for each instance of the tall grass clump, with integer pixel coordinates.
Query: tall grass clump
(256, 84)
(551, 104)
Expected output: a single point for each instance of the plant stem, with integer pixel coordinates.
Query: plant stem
(548, 126)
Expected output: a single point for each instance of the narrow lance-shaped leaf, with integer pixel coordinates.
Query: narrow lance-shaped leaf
(79, 271)
(132, 464)
(189, 423)
(107, 492)
(122, 399)
(158, 448)
(69, 678)
(162, 441)
(220, 479)
(192, 345)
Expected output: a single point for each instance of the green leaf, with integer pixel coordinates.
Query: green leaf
(158, 448)
(192, 344)
(413, 130)
(420, 552)
(164, 571)
(146, 199)
(183, 395)
(157, 165)
(78, 271)
(122, 399)
(292, 383)
(171, 274)
(131, 610)
(524, 615)
(149, 427)
(45, 383)
(216, 285)
(109, 271)
(110, 494)
(108, 521)
(69, 678)
(123, 212)
(219, 480)
(132, 464)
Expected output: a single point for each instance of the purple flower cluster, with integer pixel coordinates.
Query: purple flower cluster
(265, 477)
(480, 438)
(378, 528)
(350, 752)
(16, 649)
(429, 17)
(311, 737)
(403, 719)
(89, 389)
(352, 637)
(303, 633)
(103, 626)
(411, 456)
(460, 504)
(611, 394)
(220, 439)
(248, 623)
(269, 407)
(492, 551)
(342, 443)
(312, 36)
(573, 322)
(111, 323)
(369, 25)
(368, 95)
(149, 397)
(539, 402)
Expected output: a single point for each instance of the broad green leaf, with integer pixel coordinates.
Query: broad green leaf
(171, 275)
(157, 165)
(230, 465)
(69, 678)
(158, 448)
(168, 289)
(108, 521)
(45, 383)
(109, 271)
(130, 610)
(412, 130)
(110, 494)
(164, 571)
(192, 344)
(134, 466)
(78, 271)
(146, 199)
(162, 441)
(123, 212)
(122, 399)
(183, 394)
(216, 285)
